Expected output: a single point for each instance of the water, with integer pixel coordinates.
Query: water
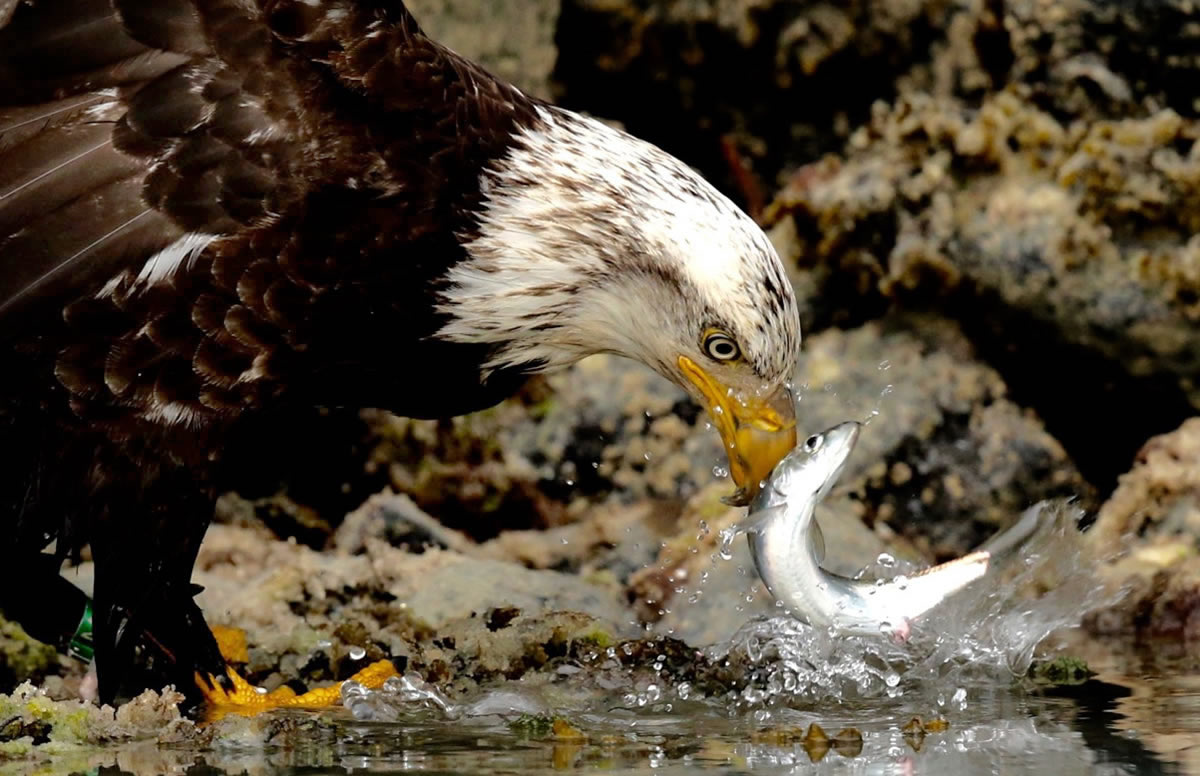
(1140, 715)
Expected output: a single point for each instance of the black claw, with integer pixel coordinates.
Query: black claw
(163, 641)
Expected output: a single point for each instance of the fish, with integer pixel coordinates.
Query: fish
(788, 548)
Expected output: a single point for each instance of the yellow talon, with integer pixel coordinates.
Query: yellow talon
(246, 700)
(232, 643)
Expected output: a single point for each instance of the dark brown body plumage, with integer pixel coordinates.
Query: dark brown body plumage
(324, 161)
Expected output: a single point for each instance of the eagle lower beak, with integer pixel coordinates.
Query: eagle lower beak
(758, 431)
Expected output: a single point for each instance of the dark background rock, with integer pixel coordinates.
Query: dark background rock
(739, 88)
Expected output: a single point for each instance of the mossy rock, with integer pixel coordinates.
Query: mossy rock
(1061, 671)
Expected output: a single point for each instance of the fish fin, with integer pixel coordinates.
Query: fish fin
(753, 523)
(957, 573)
(930, 587)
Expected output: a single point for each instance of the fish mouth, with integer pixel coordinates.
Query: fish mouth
(758, 430)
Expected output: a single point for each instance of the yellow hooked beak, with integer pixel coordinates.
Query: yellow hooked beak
(758, 431)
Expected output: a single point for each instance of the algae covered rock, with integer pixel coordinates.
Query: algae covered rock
(35, 728)
(23, 659)
(1150, 529)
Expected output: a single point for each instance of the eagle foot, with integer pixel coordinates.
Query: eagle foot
(231, 694)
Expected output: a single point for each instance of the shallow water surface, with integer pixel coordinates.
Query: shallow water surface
(778, 697)
(1141, 714)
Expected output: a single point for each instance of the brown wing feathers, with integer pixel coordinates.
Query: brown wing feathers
(199, 182)
(94, 182)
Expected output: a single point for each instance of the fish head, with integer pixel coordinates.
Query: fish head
(808, 472)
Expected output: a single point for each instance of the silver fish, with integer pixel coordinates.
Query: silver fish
(788, 548)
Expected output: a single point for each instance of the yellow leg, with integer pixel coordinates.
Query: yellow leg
(245, 699)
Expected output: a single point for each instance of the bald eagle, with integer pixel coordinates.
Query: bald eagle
(215, 212)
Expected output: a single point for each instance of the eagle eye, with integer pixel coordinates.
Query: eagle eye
(721, 347)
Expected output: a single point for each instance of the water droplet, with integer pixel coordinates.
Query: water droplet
(725, 550)
(885, 365)
(566, 541)
(886, 560)
(570, 483)
(720, 472)
(683, 691)
(357, 653)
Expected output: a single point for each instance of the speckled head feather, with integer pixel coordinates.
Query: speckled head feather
(591, 240)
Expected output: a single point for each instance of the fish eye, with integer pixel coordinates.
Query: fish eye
(721, 347)
(813, 443)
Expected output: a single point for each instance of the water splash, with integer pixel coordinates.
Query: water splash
(410, 695)
(983, 639)
(1040, 581)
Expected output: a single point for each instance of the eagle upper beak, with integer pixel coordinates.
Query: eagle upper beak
(758, 431)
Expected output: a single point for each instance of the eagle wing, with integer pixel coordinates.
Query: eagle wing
(136, 135)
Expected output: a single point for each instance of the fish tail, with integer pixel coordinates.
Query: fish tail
(927, 588)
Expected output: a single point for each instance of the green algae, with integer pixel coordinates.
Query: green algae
(1063, 670)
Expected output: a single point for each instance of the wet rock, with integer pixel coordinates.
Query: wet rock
(312, 617)
(1062, 670)
(1082, 227)
(36, 728)
(461, 471)
(529, 642)
(608, 541)
(22, 658)
(1151, 524)
(396, 519)
(1103, 56)
(1051, 242)
(458, 589)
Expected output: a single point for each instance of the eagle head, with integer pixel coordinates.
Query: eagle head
(589, 240)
